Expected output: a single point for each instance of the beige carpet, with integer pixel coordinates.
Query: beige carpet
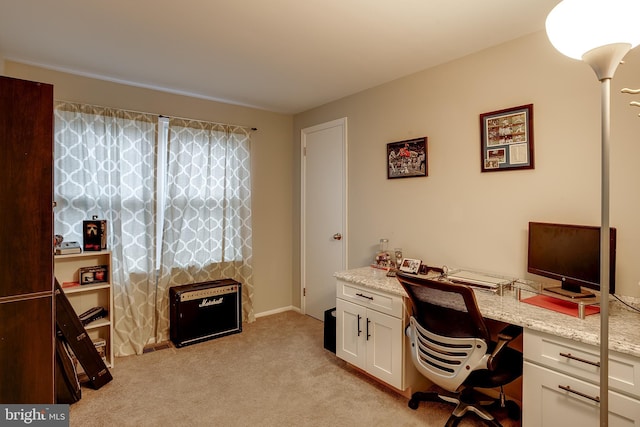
(275, 373)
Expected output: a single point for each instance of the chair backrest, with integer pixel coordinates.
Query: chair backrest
(448, 335)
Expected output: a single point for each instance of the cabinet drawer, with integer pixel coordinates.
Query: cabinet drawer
(581, 360)
(554, 399)
(366, 297)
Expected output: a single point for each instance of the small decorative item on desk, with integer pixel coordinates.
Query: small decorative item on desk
(383, 258)
(410, 265)
(397, 252)
(94, 234)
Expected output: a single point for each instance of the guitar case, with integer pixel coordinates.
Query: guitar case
(67, 385)
(79, 341)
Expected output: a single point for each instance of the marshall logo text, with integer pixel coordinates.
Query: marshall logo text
(206, 302)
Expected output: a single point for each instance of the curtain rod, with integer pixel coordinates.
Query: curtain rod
(206, 121)
(161, 115)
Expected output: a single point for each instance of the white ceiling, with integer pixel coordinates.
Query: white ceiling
(280, 55)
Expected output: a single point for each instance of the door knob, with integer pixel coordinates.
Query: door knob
(337, 236)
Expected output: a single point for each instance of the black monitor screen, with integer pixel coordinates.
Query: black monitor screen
(569, 253)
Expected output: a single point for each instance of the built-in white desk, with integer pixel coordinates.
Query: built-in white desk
(549, 337)
(624, 324)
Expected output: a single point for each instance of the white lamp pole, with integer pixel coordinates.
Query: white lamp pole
(599, 32)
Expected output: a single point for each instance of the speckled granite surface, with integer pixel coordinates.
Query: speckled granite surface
(624, 324)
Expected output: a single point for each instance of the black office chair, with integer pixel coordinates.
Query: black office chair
(451, 346)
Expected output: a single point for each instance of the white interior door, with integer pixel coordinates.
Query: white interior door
(324, 214)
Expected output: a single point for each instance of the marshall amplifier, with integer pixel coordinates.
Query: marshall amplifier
(203, 311)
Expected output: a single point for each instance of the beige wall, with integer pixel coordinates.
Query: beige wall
(456, 216)
(459, 216)
(271, 164)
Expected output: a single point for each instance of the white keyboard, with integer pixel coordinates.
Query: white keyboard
(477, 279)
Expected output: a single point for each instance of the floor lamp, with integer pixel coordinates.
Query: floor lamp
(600, 33)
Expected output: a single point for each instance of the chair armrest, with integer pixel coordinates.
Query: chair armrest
(508, 334)
(408, 331)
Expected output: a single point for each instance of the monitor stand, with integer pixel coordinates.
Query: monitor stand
(570, 294)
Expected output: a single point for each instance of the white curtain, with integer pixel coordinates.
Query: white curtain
(106, 164)
(207, 226)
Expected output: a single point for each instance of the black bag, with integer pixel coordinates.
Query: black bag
(67, 385)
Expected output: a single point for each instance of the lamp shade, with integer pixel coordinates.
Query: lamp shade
(575, 27)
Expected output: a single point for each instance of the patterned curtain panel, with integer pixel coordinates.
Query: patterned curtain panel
(105, 166)
(207, 216)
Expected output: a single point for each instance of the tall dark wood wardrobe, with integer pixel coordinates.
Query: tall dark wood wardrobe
(26, 232)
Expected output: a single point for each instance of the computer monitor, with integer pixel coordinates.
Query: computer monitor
(571, 254)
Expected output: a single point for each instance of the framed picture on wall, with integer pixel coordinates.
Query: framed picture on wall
(507, 139)
(407, 159)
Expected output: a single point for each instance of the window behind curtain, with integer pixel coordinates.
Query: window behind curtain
(177, 201)
(207, 216)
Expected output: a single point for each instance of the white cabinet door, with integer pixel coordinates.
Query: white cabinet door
(384, 347)
(546, 404)
(350, 333)
(370, 340)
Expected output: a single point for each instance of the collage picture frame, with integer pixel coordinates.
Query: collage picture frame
(507, 139)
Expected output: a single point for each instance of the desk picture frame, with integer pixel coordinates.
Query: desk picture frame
(506, 139)
(407, 159)
(410, 265)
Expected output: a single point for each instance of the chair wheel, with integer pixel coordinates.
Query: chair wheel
(513, 410)
(413, 404)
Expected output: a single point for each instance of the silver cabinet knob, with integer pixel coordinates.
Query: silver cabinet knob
(337, 236)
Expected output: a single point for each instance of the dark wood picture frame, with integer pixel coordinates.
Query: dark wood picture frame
(407, 159)
(507, 139)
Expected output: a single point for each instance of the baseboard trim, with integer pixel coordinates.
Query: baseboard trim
(278, 310)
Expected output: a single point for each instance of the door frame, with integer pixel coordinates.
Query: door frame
(303, 180)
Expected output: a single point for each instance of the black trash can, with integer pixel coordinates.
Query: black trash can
(330, 329)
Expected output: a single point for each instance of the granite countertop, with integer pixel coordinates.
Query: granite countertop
(624, 330)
